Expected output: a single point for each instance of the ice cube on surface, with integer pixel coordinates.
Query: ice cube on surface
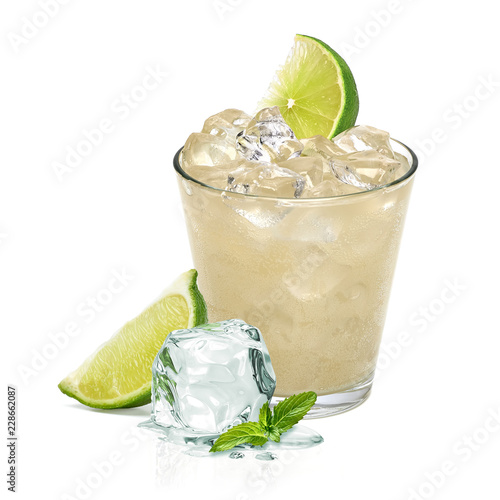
(311, 169)
(216, 176)
(226, 124)
(404, 165)
(211, 377)
(267, 180)
(274, 163)
(207, 149)
(361, 156)
(368, 160)
(268, 138)
(364, 138)
(319, 146)
(365, 169)
(330, 187)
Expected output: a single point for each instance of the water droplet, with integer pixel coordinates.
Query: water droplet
(266, 456)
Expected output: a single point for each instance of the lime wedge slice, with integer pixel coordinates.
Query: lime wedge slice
(315, 90)
(118, 374)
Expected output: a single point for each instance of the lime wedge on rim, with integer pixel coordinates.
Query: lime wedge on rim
(118, 374)
(315, 90)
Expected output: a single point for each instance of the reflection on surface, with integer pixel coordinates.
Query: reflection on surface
(239, 476)
(198, 444)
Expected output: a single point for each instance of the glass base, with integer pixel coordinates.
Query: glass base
(337, 402)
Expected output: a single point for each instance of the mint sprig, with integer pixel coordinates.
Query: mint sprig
(265, 416)
(289, 411)
(248, 432)
(270, 425)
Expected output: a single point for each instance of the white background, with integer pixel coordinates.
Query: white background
(420, 67)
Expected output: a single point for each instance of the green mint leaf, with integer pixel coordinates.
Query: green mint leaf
(265, 417)
(289, 411)
(270, 426)
(248, 432)
(274, 434)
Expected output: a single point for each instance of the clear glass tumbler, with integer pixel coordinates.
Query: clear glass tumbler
(314, 275)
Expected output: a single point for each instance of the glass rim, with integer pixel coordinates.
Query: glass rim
(400, 180)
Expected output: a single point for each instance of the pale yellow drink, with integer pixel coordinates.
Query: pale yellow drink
(314, 275)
